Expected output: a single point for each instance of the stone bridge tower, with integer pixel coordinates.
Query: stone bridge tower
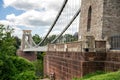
(26, 34)
(100, 21)
(27, 42)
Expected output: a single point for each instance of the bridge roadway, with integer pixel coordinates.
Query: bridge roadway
(39, 49)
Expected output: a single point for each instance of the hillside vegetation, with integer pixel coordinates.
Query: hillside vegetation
(101, 76)
(13, 67)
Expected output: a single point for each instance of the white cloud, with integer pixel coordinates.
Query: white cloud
(33, 4)
(4, 22)
(32, 18)
(22, 4)
(17, 31)
(40, 14)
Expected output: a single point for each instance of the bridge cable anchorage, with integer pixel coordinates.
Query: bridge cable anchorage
(74, 17)
(56, 19)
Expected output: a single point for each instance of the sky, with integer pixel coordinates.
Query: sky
(37, 15)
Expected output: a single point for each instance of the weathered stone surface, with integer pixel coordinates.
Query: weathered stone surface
(32, 56)
(96, 19)
(69, 60)
(70, 47)
(99, 46)
(112, 62)
(105, 19)
(67, 65)
(111, 18)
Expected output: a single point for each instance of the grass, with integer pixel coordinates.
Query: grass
(101, 76)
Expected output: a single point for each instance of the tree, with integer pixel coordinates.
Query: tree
(11, 66)
(68, 38)
(7, 42)
(14, 68)
(37, 38)
(51, 38)
(75, 36)
(18, 42)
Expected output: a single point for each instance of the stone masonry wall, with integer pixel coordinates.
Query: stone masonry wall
(68, 60)
(112, 62)
(67, 65)
(96, 19)
(111, 18)
(105, 19)
(31, 56)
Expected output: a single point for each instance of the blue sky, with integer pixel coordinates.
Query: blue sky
(35, 15)
(8, 10)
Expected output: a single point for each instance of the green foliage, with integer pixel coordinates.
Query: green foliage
(12, 67)
(36, 38)
(68, 38)
(64, 38)
(27, 75)
(39, 68)
(7, 42)
(7, 68)
(51, 38)
(39, 65)
(18, 42)
(93, 74)
(22, 64)
(40, 55)
(107, 76)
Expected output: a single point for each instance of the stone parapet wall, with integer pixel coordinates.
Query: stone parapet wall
(75, 46)
(78, 46)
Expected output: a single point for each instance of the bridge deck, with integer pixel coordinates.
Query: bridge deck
(41, 48)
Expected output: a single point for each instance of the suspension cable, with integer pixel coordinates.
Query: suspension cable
(34, 44)
(74, 17)
(63, 6)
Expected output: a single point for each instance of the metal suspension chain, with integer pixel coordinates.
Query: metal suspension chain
(63, 6)
(34, 44)
(74, 17)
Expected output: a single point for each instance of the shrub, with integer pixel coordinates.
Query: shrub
(39, 68)
(22, 64)
(15, 67)
(27, 75)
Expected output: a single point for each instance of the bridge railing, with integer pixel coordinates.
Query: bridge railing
(71, 46)
(78, 46)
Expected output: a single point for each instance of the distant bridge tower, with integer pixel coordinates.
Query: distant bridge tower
(26, 41)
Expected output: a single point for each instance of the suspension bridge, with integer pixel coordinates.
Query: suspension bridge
(28, 44)
(98, 46)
